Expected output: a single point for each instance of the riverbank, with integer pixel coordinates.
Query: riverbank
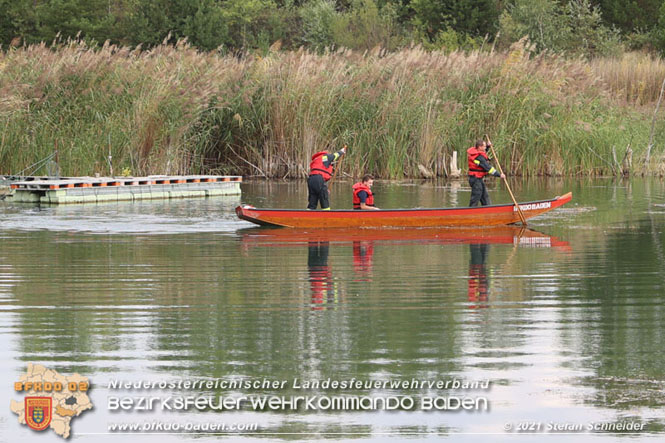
(174, 110)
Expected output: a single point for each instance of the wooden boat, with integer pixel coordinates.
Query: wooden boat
(506, 235)
(492, 215)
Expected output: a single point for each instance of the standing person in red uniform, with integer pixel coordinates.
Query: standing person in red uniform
(320, 171)
(479, 167)
(362, 193)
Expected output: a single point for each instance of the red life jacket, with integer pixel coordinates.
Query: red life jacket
(316, 166)
(474, 169)
(369, 201)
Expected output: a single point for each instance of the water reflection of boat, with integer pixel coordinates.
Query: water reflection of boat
(494, 215)
(490, 235)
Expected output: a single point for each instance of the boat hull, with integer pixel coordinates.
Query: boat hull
(493, 215)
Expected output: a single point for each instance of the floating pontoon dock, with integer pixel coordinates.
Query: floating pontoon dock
(49, 190)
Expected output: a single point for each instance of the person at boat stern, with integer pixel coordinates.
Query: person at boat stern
(320, 171)
(362, 193)
(479, 167)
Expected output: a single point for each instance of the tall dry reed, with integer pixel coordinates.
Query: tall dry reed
(634, 77)
(176, 110)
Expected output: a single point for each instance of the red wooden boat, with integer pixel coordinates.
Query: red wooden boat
(347, 218)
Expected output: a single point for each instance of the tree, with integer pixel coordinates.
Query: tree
(660, 30)
(42, 20)
(207, 28)
(404, 12)
(541, 20)
(153, 21)
(630, 15)
(248, 22)
(476, 18)
(575, 27)
(91, 19)
(18, 19)
(362, 27)
(317, 20)
(590, 36)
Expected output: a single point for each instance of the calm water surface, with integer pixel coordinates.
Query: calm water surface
(566, 322)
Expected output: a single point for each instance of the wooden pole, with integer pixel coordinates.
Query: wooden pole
(505, 180)
(339, 166)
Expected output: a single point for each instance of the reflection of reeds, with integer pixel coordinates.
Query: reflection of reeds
(175, 110)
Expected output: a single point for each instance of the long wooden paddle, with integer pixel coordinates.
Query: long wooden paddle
(339, 166)
(505, 180)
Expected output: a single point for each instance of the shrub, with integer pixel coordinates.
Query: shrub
(575, 28)
(363, 26)
(317, 18)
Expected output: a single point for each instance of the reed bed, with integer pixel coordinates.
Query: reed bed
(634, 77)
(173, 109)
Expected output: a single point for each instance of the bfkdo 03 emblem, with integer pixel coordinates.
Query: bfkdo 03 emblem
(38, 412)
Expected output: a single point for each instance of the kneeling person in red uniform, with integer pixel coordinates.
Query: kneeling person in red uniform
(320, 171)
(362, 193)
(479, 167)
